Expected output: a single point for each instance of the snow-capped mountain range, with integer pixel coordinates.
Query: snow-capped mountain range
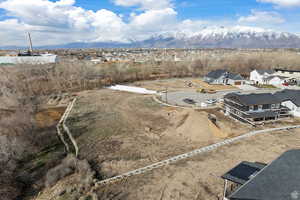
(207, 37)
(222, 37)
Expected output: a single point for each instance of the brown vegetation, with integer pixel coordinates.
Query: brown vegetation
(24, 90)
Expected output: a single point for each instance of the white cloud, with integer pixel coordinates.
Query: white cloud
(63, 22)
(258, 17)
(151, 22)
(154, 18)
(145, 4)
(282, 3)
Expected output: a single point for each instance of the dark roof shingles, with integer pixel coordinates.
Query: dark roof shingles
(277, 181)
(253, 99)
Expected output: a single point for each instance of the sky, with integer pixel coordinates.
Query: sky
(53, 22)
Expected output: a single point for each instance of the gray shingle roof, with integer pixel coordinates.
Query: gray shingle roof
(243, 172)
(271, 77)
(215, 74)
(253, 99)
(263, 71)
(280, 180)
(292, 95)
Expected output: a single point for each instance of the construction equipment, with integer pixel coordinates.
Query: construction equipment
(204, 91)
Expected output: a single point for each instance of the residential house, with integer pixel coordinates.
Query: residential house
(278, 180)
(275, 80)
(293, 76)
(288, 73)
(221, 76)
(259, 76)
(291, 100)
(254, 108)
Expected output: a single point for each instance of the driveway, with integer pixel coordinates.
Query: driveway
(177, 98)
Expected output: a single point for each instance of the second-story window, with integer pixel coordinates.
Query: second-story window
(260, 107)
(251, 108)
(273, 106)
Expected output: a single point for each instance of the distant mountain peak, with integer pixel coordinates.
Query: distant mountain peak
(227, 37)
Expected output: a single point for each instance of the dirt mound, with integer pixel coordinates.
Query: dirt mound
(49, 117)
(190, 125)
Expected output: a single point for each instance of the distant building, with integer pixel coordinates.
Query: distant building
(275, 77)
(260, 76)
(288, 73)
(39, 59)
(278, 180)
(221, 76)
(275, 80)
(28, 57)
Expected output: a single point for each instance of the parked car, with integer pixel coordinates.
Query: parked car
(285, 84)
(189, 101)
(211, 101)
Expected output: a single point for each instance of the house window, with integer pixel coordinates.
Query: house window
(251, 108)
(273, 106)
(260, 107)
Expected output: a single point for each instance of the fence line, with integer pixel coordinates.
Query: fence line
(62, 123)
(188, 155)
(59, 132)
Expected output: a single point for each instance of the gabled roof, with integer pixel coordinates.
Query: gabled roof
(286, 70)
(292, 95)
(253, 99)
(243, 172)
(263, 71)
(234, 76)
(215, 74)
(274, 76)
(280, 180)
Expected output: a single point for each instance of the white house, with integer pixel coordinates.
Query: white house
(295, 109)
(291, 100)
(275, 80)
(258, 76)
(295, 74)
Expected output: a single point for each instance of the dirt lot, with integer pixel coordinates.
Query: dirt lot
(207, 86)
(123, 131)
(170, 84)
(198, 178)
(180, 84)
(119, 131)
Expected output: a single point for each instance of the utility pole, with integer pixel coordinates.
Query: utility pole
(166, 94)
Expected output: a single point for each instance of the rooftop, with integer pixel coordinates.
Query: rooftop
(243, 172)
(277, 181)
(253, 99)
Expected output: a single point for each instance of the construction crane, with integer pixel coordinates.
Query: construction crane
(30, 43)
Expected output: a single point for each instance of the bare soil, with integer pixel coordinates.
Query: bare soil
(119, 131)
(180, 84)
